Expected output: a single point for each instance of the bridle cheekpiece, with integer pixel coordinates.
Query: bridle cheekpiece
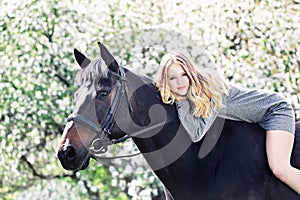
(103, 140)
(105, 130)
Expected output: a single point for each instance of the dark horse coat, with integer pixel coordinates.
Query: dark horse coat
(234, 168)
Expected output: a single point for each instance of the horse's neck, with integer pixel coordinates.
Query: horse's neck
(149, 110)
(143, 95)
(134, 82)
(161, 147)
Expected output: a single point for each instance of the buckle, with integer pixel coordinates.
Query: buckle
(101, 143)
(106, 131)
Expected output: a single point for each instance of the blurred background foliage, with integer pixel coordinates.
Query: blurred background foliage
(255, 43)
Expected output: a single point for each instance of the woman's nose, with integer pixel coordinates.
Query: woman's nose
(180, 80)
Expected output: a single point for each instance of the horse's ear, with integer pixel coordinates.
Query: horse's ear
(81, 59)
(108, 58)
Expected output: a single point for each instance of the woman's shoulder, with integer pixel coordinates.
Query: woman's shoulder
(238, 92)
(184, 103)
(183, 107)
(235, 90)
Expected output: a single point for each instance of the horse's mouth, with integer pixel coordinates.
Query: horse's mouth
(85, 162)
(75, 165)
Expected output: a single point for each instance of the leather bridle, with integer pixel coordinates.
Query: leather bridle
(105, 130)
(103, 140)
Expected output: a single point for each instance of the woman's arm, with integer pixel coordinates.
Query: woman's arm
(267, 108)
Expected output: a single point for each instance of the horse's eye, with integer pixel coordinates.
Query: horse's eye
(102, 94)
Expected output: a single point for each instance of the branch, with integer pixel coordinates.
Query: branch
(61, 78)
(92, 195)
(42, 176)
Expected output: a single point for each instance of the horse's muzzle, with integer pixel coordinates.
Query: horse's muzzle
(70, 160)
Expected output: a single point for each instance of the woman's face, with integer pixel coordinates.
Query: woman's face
(178, 80)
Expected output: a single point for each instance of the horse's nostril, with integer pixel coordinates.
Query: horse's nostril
(67, 153)
(70, 152)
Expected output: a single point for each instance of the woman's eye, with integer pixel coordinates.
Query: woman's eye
(102, 94)
(172, 78)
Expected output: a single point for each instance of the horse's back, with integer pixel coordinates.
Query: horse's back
(296, 150)
(236, 168)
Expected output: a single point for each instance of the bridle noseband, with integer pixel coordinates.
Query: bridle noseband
(105, 130)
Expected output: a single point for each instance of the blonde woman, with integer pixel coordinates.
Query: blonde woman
(201, 95)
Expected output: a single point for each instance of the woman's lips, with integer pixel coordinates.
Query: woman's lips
(181, 88)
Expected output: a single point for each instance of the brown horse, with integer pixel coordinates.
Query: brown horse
(113, 104)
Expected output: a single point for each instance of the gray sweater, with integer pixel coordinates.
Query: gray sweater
(269, 109)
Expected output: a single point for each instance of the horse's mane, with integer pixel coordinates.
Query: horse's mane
(93, 73)
(97, 71)
(144, 79)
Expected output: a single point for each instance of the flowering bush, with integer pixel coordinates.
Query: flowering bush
(255, 44)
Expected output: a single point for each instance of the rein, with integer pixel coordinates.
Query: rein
(105, 130)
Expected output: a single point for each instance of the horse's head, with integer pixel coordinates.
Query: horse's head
(100, 94)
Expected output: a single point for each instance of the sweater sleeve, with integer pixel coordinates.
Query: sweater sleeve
(269, 109)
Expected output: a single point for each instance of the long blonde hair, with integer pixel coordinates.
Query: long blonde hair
(206, 85)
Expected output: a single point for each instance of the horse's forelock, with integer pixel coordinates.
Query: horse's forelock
(92, 73)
